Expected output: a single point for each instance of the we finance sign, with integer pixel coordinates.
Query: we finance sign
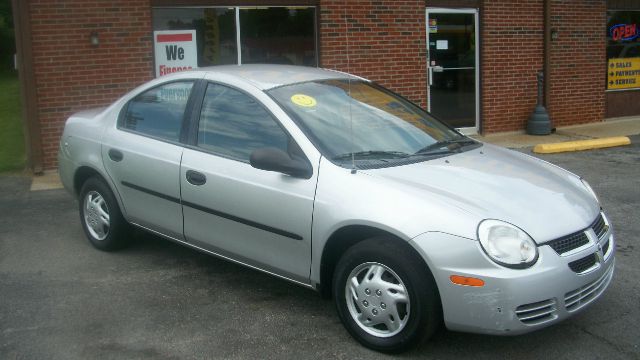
(175, 50)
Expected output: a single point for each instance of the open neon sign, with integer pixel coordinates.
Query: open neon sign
(624, 32)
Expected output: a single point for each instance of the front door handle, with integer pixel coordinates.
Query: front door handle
(196, 178)
(430, 75)
(115, 155)
(433, 69)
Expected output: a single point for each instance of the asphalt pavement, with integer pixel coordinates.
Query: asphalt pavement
(62, 299)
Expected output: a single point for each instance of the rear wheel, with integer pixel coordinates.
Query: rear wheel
(385, 295)
(100, 216)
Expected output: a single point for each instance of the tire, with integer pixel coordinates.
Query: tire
(100, 216)
(368, 286)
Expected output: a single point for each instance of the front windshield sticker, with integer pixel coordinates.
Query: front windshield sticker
(303, 100)
(356, 120)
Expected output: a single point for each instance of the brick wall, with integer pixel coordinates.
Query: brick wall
(70, 74)
(512, 53)
(578, 61)
(387, 42)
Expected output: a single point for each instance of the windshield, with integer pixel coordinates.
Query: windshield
(372, 125)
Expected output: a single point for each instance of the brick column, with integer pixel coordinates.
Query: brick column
(512, 54)
(578, 62)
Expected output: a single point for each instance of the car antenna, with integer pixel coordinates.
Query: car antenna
(353, 156)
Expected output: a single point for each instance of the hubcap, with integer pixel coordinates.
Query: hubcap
(96, 215)
(377, 299)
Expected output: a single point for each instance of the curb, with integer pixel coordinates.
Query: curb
(49, 180)
(580, 145)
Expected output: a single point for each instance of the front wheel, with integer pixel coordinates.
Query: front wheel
(100, 215)
(385, 295)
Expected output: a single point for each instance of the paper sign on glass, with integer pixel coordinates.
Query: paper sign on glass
(442, 45)
(175, 50)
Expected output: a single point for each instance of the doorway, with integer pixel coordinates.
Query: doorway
(452, 67)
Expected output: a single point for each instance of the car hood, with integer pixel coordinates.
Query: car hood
(495, 183)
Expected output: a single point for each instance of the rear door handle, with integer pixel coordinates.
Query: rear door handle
(115, 155)
(196, 178)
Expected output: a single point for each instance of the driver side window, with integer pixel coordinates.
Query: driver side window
(233, 124)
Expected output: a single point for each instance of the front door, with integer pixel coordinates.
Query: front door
(452, 65)
(257, 217)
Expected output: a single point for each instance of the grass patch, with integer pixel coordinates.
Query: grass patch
(12, 155)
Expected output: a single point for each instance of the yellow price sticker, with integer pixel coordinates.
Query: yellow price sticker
(303, 100)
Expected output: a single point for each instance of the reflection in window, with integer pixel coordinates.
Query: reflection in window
(234, 125)
(278, 35)
(159, 112)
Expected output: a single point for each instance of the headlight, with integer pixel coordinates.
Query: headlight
(590, 189)
(507, 244)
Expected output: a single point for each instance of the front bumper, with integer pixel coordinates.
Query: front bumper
(513, 301)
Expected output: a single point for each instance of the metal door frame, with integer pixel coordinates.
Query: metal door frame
(475, 12)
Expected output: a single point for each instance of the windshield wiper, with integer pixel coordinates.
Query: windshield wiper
(445, 146)
(379, 154)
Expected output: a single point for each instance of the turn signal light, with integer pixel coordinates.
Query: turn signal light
(466, 281)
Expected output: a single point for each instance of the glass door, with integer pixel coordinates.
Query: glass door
(452, 65)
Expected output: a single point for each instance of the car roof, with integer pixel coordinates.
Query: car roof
(268, 76)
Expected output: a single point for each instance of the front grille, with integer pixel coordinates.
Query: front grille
(573, 241)
(537, 313)
(583, 264)
(578, 298)
(600, 227)
(569, 242)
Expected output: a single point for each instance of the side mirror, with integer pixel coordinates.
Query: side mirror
(272, 159)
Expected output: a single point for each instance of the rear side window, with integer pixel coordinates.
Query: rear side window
(233, 124)
(159, 112)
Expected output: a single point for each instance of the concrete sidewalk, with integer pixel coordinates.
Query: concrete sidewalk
(611, 127)
(515, 140)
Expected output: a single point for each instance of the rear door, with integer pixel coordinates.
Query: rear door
(142, 156)
(257, 217)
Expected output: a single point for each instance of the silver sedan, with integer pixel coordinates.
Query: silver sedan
(332, 182)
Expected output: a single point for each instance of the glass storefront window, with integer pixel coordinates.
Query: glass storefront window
(623, 50)
(278, 35)
(215, 31)
(272, 35)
